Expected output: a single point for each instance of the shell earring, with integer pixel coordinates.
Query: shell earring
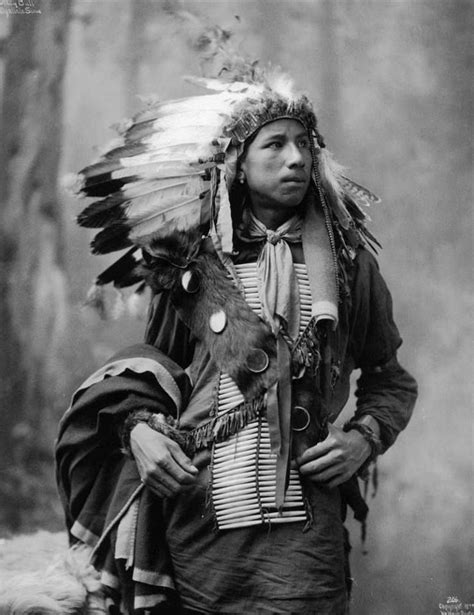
(241, 178)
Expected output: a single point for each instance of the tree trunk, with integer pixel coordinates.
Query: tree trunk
(140, 12)
(331, 69)
(33, 304)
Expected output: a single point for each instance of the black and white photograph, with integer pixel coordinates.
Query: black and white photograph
(236, 307)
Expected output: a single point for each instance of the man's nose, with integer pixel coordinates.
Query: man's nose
(294, 157)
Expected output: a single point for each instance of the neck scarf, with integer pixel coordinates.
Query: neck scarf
(277, 282)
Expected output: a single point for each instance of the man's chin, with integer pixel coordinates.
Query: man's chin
(293, 199)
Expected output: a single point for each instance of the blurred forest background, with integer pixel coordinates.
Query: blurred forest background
(391, 80)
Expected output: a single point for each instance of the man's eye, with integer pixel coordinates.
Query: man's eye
(274, 145)
(304, 143)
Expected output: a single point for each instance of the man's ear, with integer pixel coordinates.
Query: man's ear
(241, 176)
(241, 169)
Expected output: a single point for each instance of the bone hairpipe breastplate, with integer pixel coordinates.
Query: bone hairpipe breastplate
(243, 469)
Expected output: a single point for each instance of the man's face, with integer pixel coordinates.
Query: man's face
(277, 165)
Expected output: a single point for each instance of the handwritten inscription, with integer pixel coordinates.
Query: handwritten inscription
(454, 605)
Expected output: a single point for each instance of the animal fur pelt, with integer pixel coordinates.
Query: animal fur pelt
(244, 331)
(40, 575)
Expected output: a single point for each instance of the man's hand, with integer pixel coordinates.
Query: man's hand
(162, 465)
(335, 459)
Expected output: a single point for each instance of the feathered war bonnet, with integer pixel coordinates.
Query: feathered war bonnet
(167, 178)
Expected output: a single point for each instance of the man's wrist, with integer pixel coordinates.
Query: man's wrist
(363, 446)
(369, 429)
(370, 422)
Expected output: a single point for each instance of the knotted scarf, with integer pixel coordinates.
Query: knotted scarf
(277, 282)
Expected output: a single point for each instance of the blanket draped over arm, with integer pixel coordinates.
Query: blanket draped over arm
(96, 479)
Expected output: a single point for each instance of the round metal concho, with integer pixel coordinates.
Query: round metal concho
(218, 321)
(190, 281)
(300, 418)
(257, 361)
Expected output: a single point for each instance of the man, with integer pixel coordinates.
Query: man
(204, 467)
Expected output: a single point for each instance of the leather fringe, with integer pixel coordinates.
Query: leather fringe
(219, 428)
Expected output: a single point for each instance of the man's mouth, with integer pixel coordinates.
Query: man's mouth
(294, 179)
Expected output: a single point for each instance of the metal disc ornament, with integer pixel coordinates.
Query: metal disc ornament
(218, 321)
(190, 281)
(300, 418)
(257, 361)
